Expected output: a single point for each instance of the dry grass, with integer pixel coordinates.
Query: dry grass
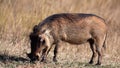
(17, 17)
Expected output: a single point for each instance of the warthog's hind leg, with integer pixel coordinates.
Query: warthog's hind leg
(93, 48)
(99, 46)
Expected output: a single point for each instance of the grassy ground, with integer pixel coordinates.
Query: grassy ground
(17, 17)
(7, 61)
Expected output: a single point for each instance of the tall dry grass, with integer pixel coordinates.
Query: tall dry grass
(17, 17)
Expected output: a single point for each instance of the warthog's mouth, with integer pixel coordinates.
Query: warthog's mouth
(33, 57)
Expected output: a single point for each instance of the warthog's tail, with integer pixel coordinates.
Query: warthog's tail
(104, 44)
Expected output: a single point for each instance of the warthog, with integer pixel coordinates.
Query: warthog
(68, 27)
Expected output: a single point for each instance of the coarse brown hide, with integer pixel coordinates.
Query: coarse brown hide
(73, 28)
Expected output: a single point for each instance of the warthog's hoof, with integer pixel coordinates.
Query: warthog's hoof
(91, 62)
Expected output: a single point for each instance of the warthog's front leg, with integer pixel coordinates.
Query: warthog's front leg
(56, 49)
(45, 53)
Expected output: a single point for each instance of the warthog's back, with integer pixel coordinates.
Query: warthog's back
(74, 28)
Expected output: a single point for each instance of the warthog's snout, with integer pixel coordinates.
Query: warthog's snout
(33, 57)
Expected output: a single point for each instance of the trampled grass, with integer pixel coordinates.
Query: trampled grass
(17, 18)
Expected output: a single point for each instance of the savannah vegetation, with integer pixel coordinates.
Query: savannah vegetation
(17, 18)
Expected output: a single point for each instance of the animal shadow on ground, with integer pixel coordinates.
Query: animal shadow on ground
(7, 58)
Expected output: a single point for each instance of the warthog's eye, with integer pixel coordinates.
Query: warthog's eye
(43, 42)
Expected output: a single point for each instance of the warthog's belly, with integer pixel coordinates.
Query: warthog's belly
(76, 35)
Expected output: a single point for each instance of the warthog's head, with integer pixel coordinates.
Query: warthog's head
(38, 43)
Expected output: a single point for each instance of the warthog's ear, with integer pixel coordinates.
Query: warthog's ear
(35, 28)
(31, 35)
